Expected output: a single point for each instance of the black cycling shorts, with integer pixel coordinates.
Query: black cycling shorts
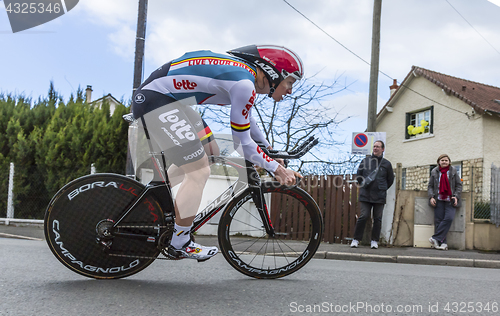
(174, 126)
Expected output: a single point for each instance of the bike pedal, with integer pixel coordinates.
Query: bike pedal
(171, 254)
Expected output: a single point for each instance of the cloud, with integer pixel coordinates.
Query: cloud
(121, 42)
(432, 36)
(110, 12)
(353, 105)
(496, 2)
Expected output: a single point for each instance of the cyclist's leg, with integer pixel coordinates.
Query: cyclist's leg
(187, 202)
(170, 127)
(188, 198)
(173, 131)
(176, 174)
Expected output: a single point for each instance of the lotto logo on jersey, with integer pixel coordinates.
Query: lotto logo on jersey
(24, 15)
(249, 105)
(184, 84)
(181, 128)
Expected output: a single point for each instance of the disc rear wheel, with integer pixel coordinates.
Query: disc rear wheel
(79, 227)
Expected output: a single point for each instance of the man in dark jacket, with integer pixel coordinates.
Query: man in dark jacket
(375, 176)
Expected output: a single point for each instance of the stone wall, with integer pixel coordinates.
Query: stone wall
(417, 178)
(472, 177)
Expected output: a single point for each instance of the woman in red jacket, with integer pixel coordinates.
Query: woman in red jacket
(444, 189)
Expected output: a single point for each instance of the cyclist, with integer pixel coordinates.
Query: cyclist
(203, 77)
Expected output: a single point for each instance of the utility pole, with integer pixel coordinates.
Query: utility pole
(373, 90)
(140, 40)
(372, 97)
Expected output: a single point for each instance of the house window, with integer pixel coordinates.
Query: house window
(458, 167)
(430, 169)
(419, 123)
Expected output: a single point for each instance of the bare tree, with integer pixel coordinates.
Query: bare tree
(298, 116)
(344, 164)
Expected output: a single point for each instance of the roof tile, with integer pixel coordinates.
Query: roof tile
(480, 96)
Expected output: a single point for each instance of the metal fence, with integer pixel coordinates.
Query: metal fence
(495, 195)
(23, 195)
(4, 190)
(486, 195)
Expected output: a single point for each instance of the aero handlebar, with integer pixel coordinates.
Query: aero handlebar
(298, 152)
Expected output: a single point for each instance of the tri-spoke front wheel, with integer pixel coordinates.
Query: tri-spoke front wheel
(298, 227)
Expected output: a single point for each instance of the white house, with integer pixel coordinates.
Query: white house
(431, 114)
(112, 101)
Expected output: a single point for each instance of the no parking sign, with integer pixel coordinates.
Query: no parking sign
(362, 143)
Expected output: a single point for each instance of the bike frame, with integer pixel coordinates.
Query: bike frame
(248, 182)
(162, 190)
(252, 185)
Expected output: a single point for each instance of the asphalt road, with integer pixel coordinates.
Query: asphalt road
(33, 282)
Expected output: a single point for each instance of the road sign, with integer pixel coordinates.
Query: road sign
(360, 140)
(362, 143)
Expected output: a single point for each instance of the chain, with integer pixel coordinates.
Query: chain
(137, 257)
(140, 257)
(138, 226)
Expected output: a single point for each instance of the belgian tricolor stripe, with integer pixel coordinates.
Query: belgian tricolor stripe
(205, 133)
(240, 127)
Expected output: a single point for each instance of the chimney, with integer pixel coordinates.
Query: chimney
(88, 94)
(394, 87)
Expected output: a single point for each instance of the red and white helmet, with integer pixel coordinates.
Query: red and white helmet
(277, 62)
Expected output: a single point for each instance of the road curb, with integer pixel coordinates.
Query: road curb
(320, 255)
(493, 264)
(360, 257)
(379, 258)
(455, 262)
(343, 256)
(19, 237)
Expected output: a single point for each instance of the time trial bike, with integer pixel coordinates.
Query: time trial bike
(109, 226)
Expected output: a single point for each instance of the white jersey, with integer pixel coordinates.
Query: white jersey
(221, 80)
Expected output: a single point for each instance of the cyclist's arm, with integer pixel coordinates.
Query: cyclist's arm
(260, 138)
(242, 99)
(257, 133)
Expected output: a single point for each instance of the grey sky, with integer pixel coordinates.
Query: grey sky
(94, 43)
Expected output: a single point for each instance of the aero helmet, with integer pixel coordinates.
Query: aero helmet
(277, 62)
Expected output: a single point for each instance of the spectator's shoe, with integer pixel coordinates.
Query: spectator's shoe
(443, 246)
(374, 244)
(434, 243)
(192, 250)
(354, 243)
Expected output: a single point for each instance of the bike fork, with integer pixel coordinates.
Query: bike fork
(254, 184)
(261, 205)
